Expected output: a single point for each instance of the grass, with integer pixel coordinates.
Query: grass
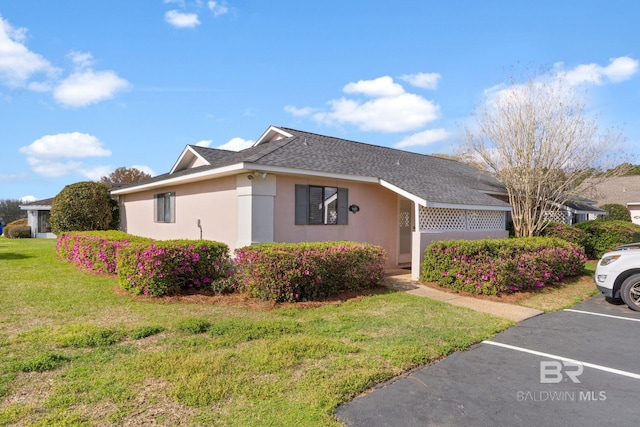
(74, 351)
(565, 294)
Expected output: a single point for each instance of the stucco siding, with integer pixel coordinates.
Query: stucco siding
(376, 222)
(634, 210)
(213, 202)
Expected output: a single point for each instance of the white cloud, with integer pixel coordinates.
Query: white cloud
(94, 173)
(204, 143)
(145, 169)
(182, 20)
(390, 109)
(17, 63)
(216, 8)
(422, 80)
(423, 138)
(236, 144)
(299, 112)
(82, 60)
(28, 199)
(387, 114)
(380, 87)
(66, 145)
(18, 66)
(47, 156)
(87, 87)
(619, 69)
(52, 169)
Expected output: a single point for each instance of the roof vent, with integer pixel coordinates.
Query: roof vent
(398, 162)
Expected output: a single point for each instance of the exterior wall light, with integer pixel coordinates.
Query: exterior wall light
(354, 208)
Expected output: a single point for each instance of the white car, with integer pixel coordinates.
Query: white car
(618, 275)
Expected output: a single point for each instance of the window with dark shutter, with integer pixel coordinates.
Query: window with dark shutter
(321, 205)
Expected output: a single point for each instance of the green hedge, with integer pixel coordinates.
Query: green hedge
(17, 229)
(307, 271)
(166, 267)
(602, 236)
(566, 232)
(501, 266)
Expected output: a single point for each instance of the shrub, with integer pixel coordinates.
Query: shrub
(303, 271)
(17, 229)
(501, 266)
(616, 212)
(84, 206)
(95, 250)
(603, 236)
(166, 267)
(566, 232)
(17, 232)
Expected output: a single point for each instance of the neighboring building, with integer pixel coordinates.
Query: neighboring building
(634, 211)
(295, 186)
(38, 213)
(622, 190)
(575, 210)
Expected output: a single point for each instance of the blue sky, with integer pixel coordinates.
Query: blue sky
(87, 86)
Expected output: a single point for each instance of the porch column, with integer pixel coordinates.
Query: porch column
(256, 194)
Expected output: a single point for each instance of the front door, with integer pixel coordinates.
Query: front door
(405, 222)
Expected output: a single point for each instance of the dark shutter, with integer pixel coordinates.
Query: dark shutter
(302, 204)
(343, 206)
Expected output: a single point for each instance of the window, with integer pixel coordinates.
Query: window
(166, 207)
(321, 205)
(43, 222)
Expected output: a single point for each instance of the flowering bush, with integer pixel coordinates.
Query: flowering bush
(95, 250)
(566, 232)
(304, 271)
(501, 266)
(165, 267)
(603, 236)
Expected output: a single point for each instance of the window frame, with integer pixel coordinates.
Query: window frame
(163, 202)
(303, 196)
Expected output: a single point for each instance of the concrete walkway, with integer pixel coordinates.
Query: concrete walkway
(401, 280)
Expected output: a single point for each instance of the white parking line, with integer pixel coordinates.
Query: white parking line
(566, 359)
(603, 315)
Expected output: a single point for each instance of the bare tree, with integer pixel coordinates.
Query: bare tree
(124, 175)
(539, 142)
(10, 210)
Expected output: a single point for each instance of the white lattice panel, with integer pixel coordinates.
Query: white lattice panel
(405, 219)
(442, 219)
(557, 216)
(460, 219)
(486, 220)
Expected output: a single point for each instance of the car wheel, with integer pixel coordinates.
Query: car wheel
(614, 301)
(630, 292)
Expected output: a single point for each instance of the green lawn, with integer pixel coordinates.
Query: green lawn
(73, 351)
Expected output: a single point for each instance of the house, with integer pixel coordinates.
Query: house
(38, 213)
(575, 210)
(621, 190)
(295, 186)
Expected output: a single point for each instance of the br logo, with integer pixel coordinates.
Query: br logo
(554, 371)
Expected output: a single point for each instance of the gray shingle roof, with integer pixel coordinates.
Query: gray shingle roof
(436, 180)
(619, 190)
(41, 202)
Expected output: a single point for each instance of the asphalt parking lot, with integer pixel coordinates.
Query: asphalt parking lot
(576, 367)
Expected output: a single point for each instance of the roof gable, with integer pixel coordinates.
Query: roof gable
(190, 158)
